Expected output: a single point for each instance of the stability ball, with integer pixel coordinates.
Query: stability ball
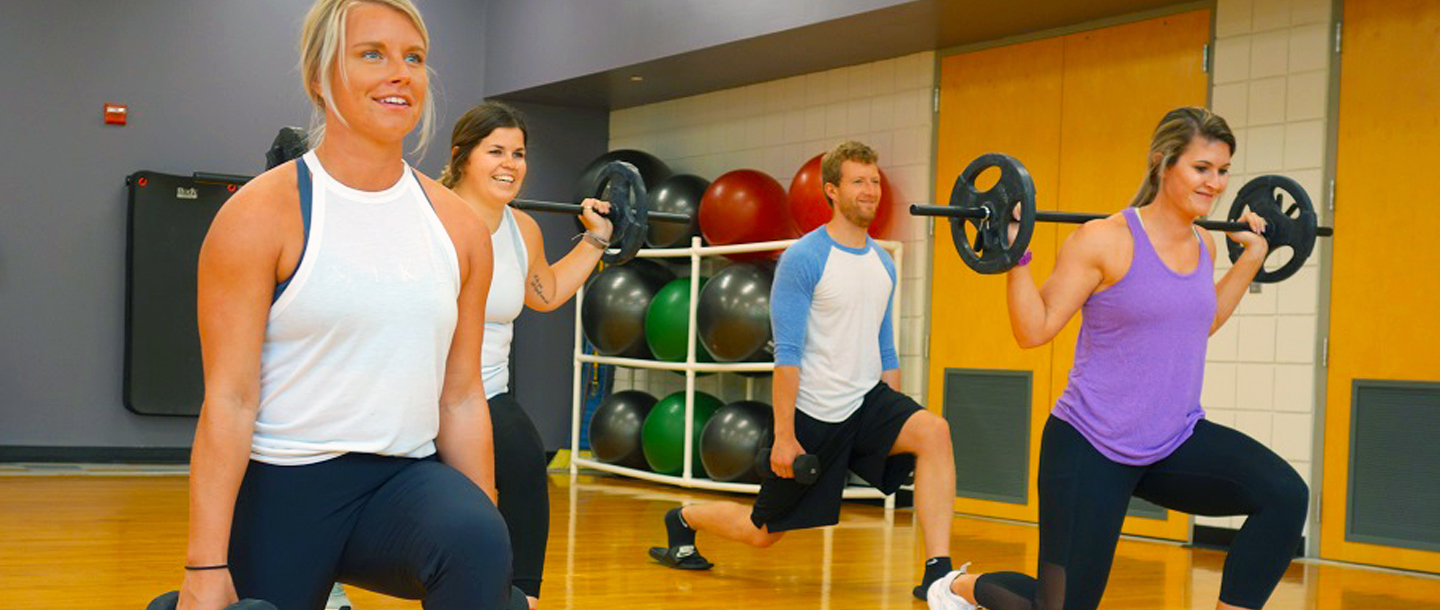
(734, 437)
(664, 433)
(667, 323)
(746, 206)
(809, 208)
(615, 428)
(681, 194)
(733, 313)
(612, 314)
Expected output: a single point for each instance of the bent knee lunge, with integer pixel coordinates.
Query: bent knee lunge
(763, 538)
(924, 434)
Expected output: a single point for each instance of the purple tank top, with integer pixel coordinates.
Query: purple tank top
(1134, 391)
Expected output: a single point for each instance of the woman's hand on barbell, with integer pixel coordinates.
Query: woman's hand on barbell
(1254, 239)
(591, 217)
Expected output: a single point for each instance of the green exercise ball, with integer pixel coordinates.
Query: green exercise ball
(663, 434)
(667, 323)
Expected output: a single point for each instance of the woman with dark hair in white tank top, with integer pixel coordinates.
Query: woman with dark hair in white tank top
(345, 433)
(487, 168)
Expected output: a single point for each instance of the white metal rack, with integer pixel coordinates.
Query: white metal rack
(691, 366)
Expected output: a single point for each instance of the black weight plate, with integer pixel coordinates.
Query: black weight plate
(1292, 225)
(992, 252)
(168, 601)
(629, 210)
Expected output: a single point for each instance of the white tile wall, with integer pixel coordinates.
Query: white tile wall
(1255, 424)
(1220, 383)
(1267, 101)
(1271, 83)
(1233, 17)
(1269, 54)
(1310, 47)
(1257, 338)
(1232, 102)
(1291, 436)
(1264, 150)
(1295, 388)
(778, 125)
(1232, 60)
(1307, 97)
(1255, 387)
(1270, 15)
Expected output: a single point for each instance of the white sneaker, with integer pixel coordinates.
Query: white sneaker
(940, 597)
(338, 601)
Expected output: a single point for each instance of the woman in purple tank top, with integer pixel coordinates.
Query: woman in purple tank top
(1129, 422)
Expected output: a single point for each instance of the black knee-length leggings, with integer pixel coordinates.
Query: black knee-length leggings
(410, 528)
(1084, 496)
(523, 486)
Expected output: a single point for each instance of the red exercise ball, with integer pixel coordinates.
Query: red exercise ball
(810, 209)
(745, 206)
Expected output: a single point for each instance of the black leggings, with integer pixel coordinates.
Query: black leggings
(523, 486)
(410, 528)
(1084, 497)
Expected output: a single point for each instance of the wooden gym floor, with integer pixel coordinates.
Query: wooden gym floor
(107, 542)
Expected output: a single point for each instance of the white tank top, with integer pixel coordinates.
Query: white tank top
(356, 344)
(506, 300)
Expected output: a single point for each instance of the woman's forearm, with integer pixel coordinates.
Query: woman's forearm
(569, 274)
(217, 465)
(466, 441)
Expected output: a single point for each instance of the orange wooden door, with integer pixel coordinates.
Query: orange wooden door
(1385, 282)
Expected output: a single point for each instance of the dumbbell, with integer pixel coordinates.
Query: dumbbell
(517, 599)
(169, 600)
(806, 467)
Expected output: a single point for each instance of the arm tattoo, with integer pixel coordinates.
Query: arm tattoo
(539, 288)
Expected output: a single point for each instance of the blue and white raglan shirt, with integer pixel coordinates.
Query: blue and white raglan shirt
(830, 311)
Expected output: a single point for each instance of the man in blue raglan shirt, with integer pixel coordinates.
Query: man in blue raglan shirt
(835, 367)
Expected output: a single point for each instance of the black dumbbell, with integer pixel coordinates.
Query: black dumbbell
(517, 599)
(169, 600)
(806, 467)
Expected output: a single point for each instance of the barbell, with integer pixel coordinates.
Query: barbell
(622, 187)
(988, 213)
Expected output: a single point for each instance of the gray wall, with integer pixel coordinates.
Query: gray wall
(207, 84)
(534, 42)
(562, 142)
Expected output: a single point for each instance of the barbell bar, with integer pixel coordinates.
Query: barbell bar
(535, 205)
(917, 209)
(989, 213)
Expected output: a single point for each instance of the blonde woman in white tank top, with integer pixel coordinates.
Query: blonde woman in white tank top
(345, 432)
(487, 169)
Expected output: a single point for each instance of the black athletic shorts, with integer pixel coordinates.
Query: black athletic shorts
(860, 444)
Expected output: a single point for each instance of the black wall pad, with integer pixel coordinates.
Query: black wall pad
(1394, 494)
(168, 217)
(94, 455)
(989, 415)
(1146, 510)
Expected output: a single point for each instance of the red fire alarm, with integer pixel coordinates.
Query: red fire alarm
(115, 114)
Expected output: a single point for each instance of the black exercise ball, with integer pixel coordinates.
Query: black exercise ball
(733, 438)
(652, 170)
(612, 314)
(733, 313)
(680, 194)
(615, 428)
